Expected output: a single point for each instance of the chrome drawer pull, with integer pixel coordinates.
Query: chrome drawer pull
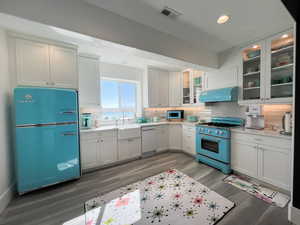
(69, 133)
(68, 112)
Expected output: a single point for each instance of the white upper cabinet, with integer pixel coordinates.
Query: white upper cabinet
(44, 64)
(252, 80)
(267, 70)
(174, 89)
(63, 67)
(193, 83)
(221, 78)
(158, 87)
(32, 63)
(280, 68)
(89, 81)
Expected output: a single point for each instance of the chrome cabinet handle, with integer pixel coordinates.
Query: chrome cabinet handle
(69, 133)
(68, 112)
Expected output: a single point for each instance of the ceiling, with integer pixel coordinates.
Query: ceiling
(250, 20)
(108, 51)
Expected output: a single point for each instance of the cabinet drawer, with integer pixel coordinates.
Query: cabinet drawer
(129, 133)
(188, 129)
(89, 136)
(110, 133)
(258, 139)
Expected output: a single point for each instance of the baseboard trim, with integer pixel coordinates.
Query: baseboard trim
(294, 215)
(6, 197)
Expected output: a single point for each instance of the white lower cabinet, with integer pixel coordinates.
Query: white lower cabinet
(244, 158)
(265, 158)
(175, 136)
(98, 149)
(89, 152)
(189, 139)
(129, 148)
(275, 166)
(108, 149)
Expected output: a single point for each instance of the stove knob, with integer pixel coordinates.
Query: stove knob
(221, 132)
(209, 131)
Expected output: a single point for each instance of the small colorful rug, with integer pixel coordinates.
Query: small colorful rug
(265, 194)
(169, 198)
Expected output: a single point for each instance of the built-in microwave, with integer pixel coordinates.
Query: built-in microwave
(175, 114)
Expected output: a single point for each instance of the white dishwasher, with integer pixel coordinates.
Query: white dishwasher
(149, 140)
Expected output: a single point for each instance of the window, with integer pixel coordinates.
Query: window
(118, 99)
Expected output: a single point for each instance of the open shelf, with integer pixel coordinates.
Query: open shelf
(251, 73)
(250, 88)
(283, 84)
(283, 49)
(252, 59)
(282, 67)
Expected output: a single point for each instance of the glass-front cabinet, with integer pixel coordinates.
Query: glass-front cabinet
(252, 81)
(267, 70)
(193, 84)
(280, 67)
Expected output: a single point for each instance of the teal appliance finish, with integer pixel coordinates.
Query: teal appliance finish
(47, 137)
(86, 120)
(220, 95)
(213, 142)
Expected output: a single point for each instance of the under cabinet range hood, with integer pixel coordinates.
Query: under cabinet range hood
(220, 95)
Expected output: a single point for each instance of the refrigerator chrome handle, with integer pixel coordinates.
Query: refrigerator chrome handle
(70, 133)
(67, 112)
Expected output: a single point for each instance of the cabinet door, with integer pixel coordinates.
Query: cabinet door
(163, 82)
(63, 67)
(32, 62)
(163, 137)
(153, 88)
(189, 139)
(186, 88)
(108, 150)
(244, 158)
(89, 153)
(253, 73)
(274, 166)
(280, 68)
(129, 148)
(197, 86)
(175, 137)
(174, 89)
(89, 81)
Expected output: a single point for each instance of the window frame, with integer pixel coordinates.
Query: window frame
(120, 109)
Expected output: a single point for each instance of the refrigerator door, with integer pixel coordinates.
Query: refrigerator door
(45, 106)
(46, 155)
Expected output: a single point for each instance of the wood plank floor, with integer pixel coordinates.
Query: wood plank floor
(57, 204)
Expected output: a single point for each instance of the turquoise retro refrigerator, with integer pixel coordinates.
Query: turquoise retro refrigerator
(47, 137)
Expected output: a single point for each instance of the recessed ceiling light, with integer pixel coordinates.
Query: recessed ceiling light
(223, 19)
(255, 46)
(285, 36)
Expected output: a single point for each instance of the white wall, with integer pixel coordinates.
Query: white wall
(120, 72)
(79, 16)
(6, 168)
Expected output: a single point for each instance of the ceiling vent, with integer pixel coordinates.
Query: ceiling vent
(169, 12)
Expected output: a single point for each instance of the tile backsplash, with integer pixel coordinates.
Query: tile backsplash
(273, 115)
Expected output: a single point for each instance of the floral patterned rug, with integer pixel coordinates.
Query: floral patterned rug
(169, 198)
(265, 194)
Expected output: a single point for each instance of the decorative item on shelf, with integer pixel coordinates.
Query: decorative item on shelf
(86, 120)
(253, 54)
(197, 81)
(283, 59)
(192, 118)
(250, 84)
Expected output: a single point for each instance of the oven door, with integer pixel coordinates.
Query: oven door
(214, 147)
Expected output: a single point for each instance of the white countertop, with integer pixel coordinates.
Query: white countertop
(135, 125)
(264, 132)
